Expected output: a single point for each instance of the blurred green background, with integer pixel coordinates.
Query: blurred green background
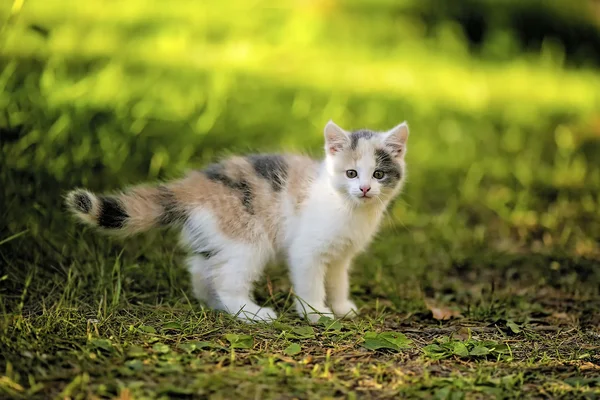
(502, 97)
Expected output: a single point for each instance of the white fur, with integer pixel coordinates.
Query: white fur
(224, 281)
(318, 241)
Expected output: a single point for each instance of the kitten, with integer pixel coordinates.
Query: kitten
(245, 211)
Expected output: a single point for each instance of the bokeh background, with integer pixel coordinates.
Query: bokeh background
(502, 97)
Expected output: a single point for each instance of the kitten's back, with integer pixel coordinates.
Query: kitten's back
(245, 194)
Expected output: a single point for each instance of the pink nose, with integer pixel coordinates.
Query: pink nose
(365, 189)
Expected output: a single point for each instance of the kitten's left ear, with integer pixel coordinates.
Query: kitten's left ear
(395, 139)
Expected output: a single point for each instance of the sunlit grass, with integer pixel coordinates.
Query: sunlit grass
(293, 48)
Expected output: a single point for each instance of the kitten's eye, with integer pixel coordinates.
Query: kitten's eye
(351, 173)
(378, 174)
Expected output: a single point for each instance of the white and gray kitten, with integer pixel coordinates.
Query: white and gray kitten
(246, 211)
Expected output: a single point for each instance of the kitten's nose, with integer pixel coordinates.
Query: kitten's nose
(365, 189)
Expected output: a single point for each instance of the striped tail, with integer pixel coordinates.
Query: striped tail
(139, 209)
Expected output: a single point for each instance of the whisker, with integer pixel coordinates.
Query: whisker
(389, 215)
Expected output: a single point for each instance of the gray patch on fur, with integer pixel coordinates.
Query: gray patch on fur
(247, 196)
(216, 173)
(201, 243)
(360, 134)
(387, 164)
(172, 214)
(271, 167)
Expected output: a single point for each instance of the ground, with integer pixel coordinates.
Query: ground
(484, 281)
(117, 320)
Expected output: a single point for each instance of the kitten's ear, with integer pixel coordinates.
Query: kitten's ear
(335, 138)
(395, 139)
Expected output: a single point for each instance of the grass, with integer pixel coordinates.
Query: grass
(498, 229)
(149, 348)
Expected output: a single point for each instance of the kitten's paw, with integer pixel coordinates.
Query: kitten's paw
(264, 314)
(313, 315)
(345, 309)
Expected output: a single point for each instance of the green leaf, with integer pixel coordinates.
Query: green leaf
(302, 332)
(502, 349)
(330, 324)
(232, 337)
(168, 368)
(292, 349)
(443, 393)
(210, 345)
(147, 329)
(486, 343)
(161, 348)
(460, 349)
(396, 338)
(188, 347)
(582, 381)
(174, 326)
(103, 344)
(386, 340)
(135, 351)
(436, 352)
(135, 365)
(480, 351)
(435, 348)
(240, 341)
(513, 327)
(375, 344)
(282, 327)
(125, 371)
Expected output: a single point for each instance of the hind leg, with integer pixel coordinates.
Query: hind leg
(225, 283)
(224, 270)
(199, 267)
(233, 282)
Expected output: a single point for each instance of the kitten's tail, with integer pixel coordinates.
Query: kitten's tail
(136, 210)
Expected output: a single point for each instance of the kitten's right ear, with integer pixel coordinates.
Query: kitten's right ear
(335, 138)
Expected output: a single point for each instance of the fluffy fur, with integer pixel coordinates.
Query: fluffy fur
(237, 215)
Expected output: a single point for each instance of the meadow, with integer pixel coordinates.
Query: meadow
(484, 281)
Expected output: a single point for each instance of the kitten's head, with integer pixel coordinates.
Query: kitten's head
(366, 166)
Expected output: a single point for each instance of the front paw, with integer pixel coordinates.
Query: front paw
(313, 314)
(264, 314)
(345, 309)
